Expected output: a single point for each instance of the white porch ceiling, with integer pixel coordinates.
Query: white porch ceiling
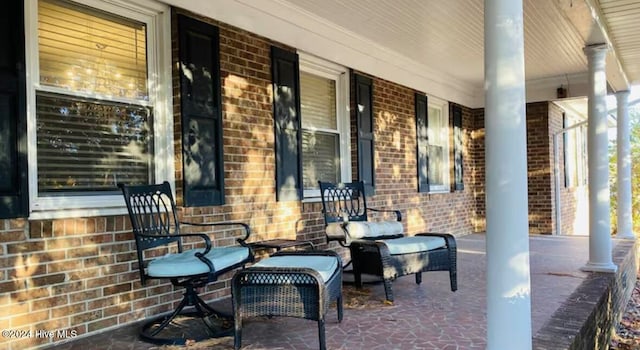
(622, 19)
(436, 46)
(448, 35)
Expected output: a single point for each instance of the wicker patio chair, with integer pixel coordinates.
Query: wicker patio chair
(289, 283)
(381, 248)
(157, 232)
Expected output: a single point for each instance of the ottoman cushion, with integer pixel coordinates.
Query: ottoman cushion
(326, 266)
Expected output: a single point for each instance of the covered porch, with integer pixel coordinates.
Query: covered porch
(571, 309)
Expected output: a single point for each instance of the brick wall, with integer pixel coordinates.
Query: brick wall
(476, 150)
(395, 163)
(81, 274)
(588, 316)
(540, 168)
(543, 120)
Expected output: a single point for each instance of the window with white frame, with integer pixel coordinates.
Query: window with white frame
(97, 114)
(575, 152)
(438, 140)
(325, 123)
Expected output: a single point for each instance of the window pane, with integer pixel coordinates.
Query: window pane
(583, 166)
(318, 101)
(87, 50)
(435, 126)
(90, 145)
(320, 158)
(572, 154)
(436, 165)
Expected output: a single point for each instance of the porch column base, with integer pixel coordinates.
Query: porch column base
(626, 235)
(599, 267)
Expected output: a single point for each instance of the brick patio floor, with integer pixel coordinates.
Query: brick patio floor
(426, 316)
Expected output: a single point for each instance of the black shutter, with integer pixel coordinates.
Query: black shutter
(13, 107)
(364, 108)
(200, 99)
(422, 141)
(458, 171)
(286, 113)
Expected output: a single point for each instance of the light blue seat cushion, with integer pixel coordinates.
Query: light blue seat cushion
(364, 229)
(372, 229)
(186, 263)
(326, 266)
(413, 244)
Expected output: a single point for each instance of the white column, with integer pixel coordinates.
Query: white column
(625, 226)
(508, 281)
(600, 256)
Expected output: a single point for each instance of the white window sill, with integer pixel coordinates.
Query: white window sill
(58, 207)
(76, 213)
(312, 200)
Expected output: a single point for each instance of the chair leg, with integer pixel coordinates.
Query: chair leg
(453, 279)
(321, 334)
(339, 307)
(166, 321)
(151, 331)
(357, 278)
(387, 289)
(205, 308)
(418, 277)
(218, 323)
(237, 336)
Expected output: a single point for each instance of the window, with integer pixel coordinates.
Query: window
(438, 144)
(575, 152)
(96, 113)
(325, 124)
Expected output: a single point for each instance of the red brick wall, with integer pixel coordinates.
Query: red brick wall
(540, 168)
(555, 126)
(81, 274)
(476, 149)
(544, 119)
(395, 167)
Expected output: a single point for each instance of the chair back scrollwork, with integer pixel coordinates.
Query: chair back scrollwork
(153, 217)
(343, 202)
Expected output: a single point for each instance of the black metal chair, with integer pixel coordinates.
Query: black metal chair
(163, 254)
(380, 248)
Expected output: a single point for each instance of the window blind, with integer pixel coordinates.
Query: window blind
(317, 101)
(86, 50)
(438, 139)
(320, 137)
(91, 145)
(320, 158)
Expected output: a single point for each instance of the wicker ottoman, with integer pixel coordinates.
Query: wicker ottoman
(293, 283)
(392, 258)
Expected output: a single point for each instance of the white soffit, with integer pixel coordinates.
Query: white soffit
(448, 37)
(590, 22)
(623, 22)
(432, 46)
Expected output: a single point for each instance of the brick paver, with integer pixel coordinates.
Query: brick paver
(426, 316)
